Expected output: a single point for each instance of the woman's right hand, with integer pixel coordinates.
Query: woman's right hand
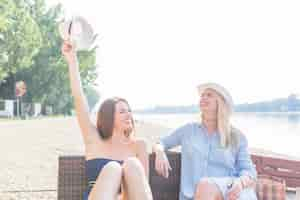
(68, 50)
(162, 164)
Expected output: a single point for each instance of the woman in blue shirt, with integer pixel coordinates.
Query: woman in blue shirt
(216, 164)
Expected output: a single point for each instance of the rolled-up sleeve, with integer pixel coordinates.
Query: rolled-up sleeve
(244, 163)
(174, 138)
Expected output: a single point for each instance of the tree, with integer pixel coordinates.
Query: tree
(50, 81)
(92, 96)
(46, 75)
(21, 40)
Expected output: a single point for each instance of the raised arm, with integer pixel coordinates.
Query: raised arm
(88, 130)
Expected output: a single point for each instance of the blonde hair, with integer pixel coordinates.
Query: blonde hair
(228, 134)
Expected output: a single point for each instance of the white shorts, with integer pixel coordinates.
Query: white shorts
(223, 182)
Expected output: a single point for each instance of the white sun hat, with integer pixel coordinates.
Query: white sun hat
(78, 31)
(220, 90)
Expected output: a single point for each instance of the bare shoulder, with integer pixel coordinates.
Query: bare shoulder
(140, 145)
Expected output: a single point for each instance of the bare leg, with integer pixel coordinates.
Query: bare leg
(108, 182)
(207, 191)
(135, 183)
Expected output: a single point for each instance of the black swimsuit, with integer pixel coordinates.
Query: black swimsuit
(93, 168)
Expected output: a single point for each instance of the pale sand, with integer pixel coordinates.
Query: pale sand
(30, 150)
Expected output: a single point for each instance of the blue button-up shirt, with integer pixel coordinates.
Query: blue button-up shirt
(202, 156)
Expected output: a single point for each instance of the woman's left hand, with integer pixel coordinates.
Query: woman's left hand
(235, 190)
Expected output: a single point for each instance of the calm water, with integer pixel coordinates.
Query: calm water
(278, 132)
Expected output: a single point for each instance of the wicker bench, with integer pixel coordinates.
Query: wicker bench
(72, 181)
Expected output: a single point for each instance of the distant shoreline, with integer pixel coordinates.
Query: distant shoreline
(196, 112)
(289, 104)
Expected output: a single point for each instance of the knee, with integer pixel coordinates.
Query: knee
(132, 166)
(204, 188)
(203, 185)
(112, 167)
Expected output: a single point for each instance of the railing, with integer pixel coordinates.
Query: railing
(12, 108)
(7, 108)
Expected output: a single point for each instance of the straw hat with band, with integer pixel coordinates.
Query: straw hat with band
(220, 90)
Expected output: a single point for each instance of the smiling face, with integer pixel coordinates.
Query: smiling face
(122, 117)
(209, 101)
(214, 107)
(114, 114)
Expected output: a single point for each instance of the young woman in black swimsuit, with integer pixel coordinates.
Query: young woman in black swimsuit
(116, 162)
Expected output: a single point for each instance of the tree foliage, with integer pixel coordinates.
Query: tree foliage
(30, 51)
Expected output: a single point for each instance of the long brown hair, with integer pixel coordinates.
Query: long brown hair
(106, 117)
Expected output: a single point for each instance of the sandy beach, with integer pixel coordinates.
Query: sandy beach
(30, 150)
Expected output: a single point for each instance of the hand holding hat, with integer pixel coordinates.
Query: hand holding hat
(78, 32)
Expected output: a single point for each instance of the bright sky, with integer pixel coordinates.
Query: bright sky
(156, 52)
